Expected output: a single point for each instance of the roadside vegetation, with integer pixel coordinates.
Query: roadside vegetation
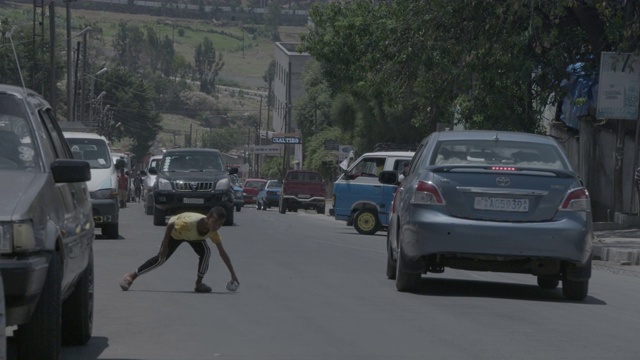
(390, 71)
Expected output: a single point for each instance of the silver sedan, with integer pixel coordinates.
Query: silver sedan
(491, 201)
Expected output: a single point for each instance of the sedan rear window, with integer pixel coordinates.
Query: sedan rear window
(484, 152)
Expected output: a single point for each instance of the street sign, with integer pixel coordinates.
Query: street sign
(266, 149)
(286, 140)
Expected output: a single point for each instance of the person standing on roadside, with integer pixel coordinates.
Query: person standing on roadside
(123, 188)
(194, 229)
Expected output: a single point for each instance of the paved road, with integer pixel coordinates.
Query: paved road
(312, 288)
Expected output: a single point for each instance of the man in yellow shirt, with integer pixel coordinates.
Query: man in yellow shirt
(194, 229)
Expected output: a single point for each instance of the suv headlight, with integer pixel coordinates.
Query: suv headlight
(163, 184)
(104, 194)
(17, 236)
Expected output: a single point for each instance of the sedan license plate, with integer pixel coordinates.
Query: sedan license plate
(304, 196)
(193, 201)
(501, 204)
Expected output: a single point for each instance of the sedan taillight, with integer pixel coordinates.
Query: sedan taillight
(427, 193)
(576, 200)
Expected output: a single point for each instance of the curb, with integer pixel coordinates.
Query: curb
(615, 252)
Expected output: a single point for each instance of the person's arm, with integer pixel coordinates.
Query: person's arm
(164, 247)
(227, 261)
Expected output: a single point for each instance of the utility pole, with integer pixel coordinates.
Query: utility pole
(52, 56)
(69, 65)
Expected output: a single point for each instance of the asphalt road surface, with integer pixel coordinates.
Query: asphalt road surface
(313, 288)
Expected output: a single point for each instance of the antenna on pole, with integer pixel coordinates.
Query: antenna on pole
(9, 35)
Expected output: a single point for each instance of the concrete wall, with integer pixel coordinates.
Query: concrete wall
(592, 154)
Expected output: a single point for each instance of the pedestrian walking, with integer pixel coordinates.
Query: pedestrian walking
(123, 188)
(194, 229)
(137, 187)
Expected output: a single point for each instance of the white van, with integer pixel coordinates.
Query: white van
(103, 186)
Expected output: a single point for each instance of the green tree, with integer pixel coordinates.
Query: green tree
(129, 45)
(131, 112)
(272, 19)
(207, 65)
(483, 64)
(35, 71)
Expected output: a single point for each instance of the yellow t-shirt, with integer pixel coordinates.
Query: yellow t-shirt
(185, 228)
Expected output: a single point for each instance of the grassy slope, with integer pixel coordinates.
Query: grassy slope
(242, 71)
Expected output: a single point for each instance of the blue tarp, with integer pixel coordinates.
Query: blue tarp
(582, 95)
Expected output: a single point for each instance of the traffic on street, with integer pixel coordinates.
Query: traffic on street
(312, 288)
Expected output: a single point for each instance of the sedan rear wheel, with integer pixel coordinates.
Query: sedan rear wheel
(575, 289)
(548, 282)
(391, 263)
(405, 281)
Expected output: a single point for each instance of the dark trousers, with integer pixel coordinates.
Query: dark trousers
(200, 247)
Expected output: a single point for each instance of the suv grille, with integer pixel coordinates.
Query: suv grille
(193, 186)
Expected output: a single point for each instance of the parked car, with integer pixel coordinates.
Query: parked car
(191, 179)
(238, 200)
(251, 188)
(46, 223)
(359, 198)
(103, 186)
(302, 189)
(491, 201)
(270, 195)
(149, 180)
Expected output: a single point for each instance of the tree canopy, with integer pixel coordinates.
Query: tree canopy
(482, 64)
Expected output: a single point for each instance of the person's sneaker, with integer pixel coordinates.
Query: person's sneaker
(202, 288)
(126, 282)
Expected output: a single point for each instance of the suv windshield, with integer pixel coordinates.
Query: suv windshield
(16, 145)
(93, 151)
(204, 161)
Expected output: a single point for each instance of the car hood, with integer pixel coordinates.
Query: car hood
(17, 190)
(201, 176)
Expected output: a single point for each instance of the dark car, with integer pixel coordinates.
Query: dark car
(46, 228)
(270, 195)
(491, 201)
(191, 180)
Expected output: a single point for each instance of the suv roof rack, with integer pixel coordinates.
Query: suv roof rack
(394, 147)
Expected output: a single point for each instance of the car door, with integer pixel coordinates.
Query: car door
(360, 185)
(75, 218)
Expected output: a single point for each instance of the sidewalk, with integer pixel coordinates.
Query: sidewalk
(617, 245)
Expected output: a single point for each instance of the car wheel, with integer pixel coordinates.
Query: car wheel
(548, 282)
(391, 264)
(320, 209)
(257, 206)
(405, 281)
(148, 210)
(366, 222)
(238, 208)
(111, 231)
(159, 217)
(575, 289)
(229, 220)
(282, 206)
(77, 309)
(40, 338)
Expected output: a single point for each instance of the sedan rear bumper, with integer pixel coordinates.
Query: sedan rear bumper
(430, 232)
